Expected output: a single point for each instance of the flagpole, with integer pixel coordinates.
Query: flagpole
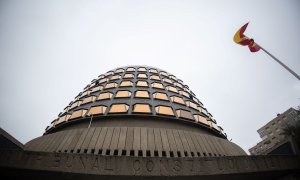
(277, 60)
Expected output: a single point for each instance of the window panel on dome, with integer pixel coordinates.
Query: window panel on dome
(168, 81)
(119, 70)
(78, 114)
(123, 94)
(192, 105)
(155, 77)
(62, 119)
(85, 93)
(157, 85)
(142, 83)
(130, 69)
(142, 69)
(110, 85)
(104, 96)
(178, 100)
(142, 94)
(126, 84)
(141, 108)
(96, 110)
(213, 125)
(142, 76)
(89, 100)
(75, 104)
(103, 80)
(96, 89)
(184, 94)
(172, 89)
(178, 85)
(164, 110)
(115, 77)
(163, 73)
(160, 96)
(119, 108)
(201, 119)
(184, 114)
(153, 71)
(128, 76)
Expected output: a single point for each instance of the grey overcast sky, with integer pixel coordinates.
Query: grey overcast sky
(50, 50)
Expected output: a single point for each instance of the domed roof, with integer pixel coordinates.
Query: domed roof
(136, 110)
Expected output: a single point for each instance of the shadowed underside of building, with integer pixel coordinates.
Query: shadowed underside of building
(138, 122)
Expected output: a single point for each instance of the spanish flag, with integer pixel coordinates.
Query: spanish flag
(243, 40)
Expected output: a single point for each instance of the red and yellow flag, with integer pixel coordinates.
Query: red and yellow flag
(243, 40)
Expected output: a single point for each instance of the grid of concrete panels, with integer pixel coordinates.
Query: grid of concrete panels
(135, 141)
(137, 90)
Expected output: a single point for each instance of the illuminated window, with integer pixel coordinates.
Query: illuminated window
(168, 81)
(96, 110)
(157, 85)
(75, 104)
(141, 108)
(184, 114)
(192, 105)
(119, 70)
(126, 84)
(163, 73)
(172, 89)
(153, 71)
(160, 96)
(130, 69)
(123, 94)
(62, 119)
(104, 96)
(96, 89)
(184, 94)
(103, 80)
(110, 85)
(201, 119)
(142, 76)
(142, 69)
(164, 110)
(78, 114)
(178, 100)
(142, 94)
(128, 76)
(142, 84)
(154, 77)
(119, 108)
(115, 77)
(89, 100)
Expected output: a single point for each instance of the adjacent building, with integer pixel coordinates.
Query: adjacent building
(274, 140)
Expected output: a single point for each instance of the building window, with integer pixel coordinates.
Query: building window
(157, 85)
(119, 70)
(142, 94)
(104, 96)
(119, 108)
(172, 89)
(155, 77)
(168, 81)
(110, 85)
(142, 76)
(142, 69)
(75, 104)
(183, 93)
(142, 84)
(173, 77)
(213, 125)
(141, 108)
(192, 105)
(96, 89)
(126, 84)
(103, 80)
(184, 114)
(85, 93)
(109, 73)
(62, 119)
(101, 76)
(160, 96)
(201, 119)
(164, 110)
(128, 76)
(96, 110)
(153, 71)
(78, 114)
(89, 100)
(130, 69)
(123, 94)
(178, 85)
(178, 100)
(163, 73)
(115, 77)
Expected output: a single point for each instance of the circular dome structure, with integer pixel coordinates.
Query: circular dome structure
(136, 111)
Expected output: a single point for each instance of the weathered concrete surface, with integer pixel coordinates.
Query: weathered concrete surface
(27, 164)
